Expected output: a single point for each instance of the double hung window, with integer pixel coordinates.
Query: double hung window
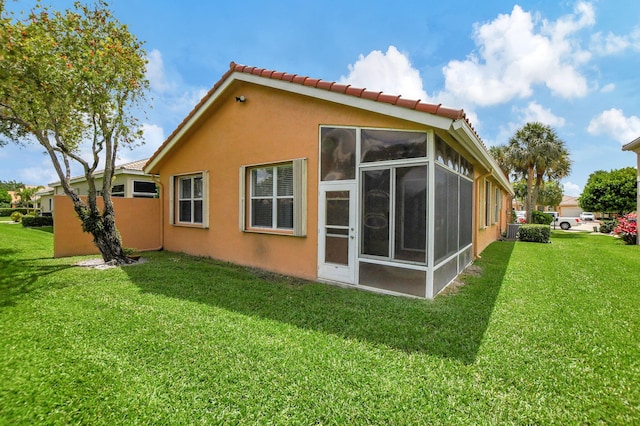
(273, 197)
(189, 199)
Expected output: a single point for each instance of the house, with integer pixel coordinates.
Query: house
(44, 200)
(329, 182)
(634, 146)
(129, 181)
(569, 206)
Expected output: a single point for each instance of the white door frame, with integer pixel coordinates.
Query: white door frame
(342, 273)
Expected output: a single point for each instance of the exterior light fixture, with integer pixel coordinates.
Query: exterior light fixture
(240, 99)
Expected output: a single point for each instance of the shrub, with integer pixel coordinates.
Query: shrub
(534, 233)
(16, 216)
(607, 226)
(541, 218)
(34, 221)
(8, 212)
(627, 228)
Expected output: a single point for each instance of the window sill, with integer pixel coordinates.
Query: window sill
(284, 232)
(190, 225)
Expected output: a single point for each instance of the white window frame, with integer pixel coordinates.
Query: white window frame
(299, 198)
(174, 200)
(487, 203)
(496, 204)
(135, 194)
(118, 193)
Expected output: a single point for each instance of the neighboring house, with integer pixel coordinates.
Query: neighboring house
(329, 182)
(16, 200)
(129, 181)
(44, 200)
(635, 147)
(569, 207)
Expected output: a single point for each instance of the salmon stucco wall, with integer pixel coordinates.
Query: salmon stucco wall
(270, 126)
(137, 219)
(485, 235)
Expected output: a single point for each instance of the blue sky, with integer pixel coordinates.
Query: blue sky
(573, 65)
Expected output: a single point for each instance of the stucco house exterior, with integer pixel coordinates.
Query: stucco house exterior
(329, 182)
(569, 206)
(129, 181)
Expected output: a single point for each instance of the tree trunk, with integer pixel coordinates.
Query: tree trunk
(529, 198)
(103, 229)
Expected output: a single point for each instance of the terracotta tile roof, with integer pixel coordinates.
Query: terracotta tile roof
(134, 165)
(346, 89)
(397, 100)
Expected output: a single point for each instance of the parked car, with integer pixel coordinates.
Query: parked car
(566, 223)
(586, 216)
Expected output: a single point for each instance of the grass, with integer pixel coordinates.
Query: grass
(547, 334)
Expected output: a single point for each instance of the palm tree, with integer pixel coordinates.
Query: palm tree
(26, 195)
(536, 151)
(499, 153)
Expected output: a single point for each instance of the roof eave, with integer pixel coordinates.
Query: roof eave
(467, 136)
(388, 109)
(634, 145)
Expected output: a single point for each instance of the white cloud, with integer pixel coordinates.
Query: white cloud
(608, 88)
(156, 73)
(536, 112)
(389, 72)
(153, 136)
(172, 98)
(41, 174)
(518, 51)
(571, 189)
(612, 44)
(615, 125)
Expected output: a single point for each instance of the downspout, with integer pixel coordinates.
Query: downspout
(161, 246)
(475, 216)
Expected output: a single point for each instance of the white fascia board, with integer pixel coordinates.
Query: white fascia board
(632, 146)
(383, 108)
(479, 152)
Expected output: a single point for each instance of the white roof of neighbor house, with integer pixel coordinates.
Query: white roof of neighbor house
(133, 168)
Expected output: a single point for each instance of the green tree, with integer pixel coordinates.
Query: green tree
(499, 153)
(610, 192)
(535, 151)
(71, 79)
(11, 185)
(550, 194)
(5, 198)
(27, 195)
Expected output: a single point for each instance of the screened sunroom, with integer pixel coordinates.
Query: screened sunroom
(395, 210)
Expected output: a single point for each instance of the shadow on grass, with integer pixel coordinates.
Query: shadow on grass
(19, 275)
(450, 326)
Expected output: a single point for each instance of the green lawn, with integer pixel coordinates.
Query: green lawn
(547, 334)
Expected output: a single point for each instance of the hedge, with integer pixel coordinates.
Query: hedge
(6, 212)
(534, 233)
(541, 218)
(34, 221)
